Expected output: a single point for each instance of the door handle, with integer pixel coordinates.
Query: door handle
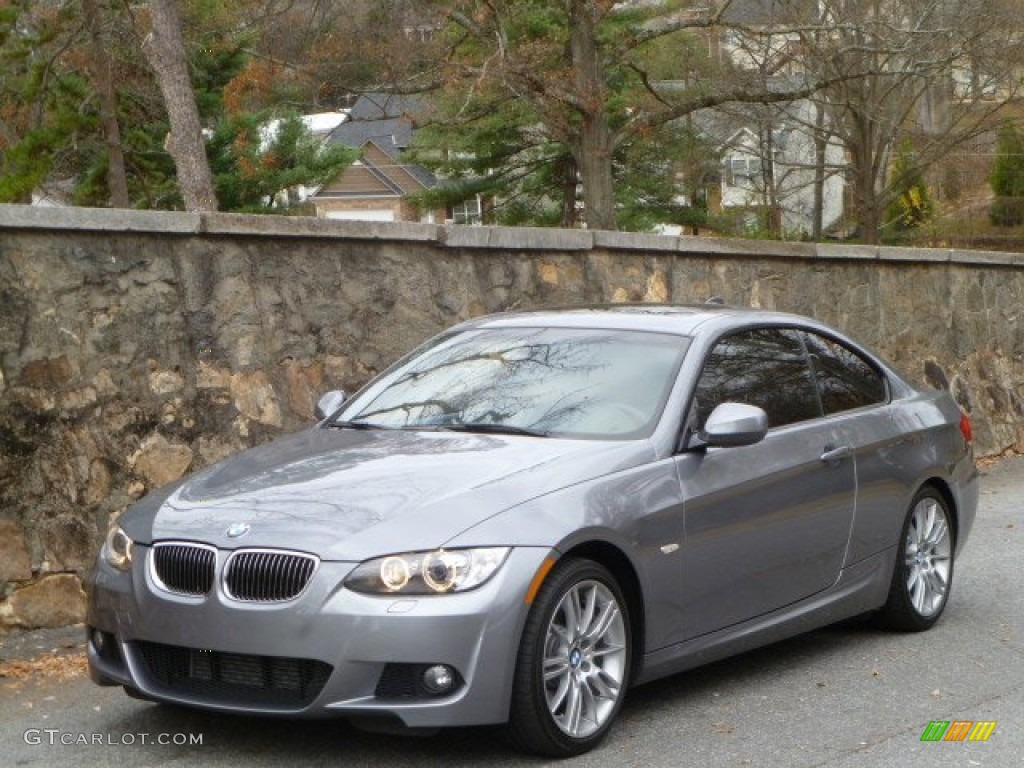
(835, 453)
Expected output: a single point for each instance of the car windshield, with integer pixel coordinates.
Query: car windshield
(561, 382)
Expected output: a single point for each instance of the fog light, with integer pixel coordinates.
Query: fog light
(98, 641)
(439, 678)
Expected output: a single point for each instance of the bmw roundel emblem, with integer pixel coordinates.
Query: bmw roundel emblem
(236, 530)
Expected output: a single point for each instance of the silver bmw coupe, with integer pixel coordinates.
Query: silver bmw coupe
(533, 512)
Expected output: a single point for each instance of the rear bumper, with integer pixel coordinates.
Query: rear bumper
(967, 481)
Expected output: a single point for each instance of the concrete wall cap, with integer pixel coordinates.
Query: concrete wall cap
(992, 258)
(26, 217)
(845, 251)
(98, 219)
(900, 253)
(257, 225)
(725, 246)
(519, 238)
(629, 241)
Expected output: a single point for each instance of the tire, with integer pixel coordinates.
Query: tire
(923, 573)
(570, 680)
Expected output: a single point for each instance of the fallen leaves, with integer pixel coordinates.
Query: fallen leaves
(59, 666)
(986, 462)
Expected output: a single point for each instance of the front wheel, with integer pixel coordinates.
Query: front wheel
(923, 572)
(574, 660)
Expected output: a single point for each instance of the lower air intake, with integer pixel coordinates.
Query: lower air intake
(274, 682)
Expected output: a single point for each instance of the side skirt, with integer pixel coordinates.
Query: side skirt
(861, 587)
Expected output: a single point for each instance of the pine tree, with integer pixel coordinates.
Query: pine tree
(41, 99)
(258, 160)
(562, 123)
(55, 123)
(911, 206)
(1007, 179)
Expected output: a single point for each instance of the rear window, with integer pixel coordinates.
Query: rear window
(846, 380)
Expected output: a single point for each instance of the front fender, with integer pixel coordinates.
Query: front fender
(638, 511)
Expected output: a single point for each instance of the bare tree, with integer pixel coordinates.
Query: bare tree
(165, 51)
(935, 71)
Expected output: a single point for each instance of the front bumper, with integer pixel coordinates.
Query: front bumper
(326, 651)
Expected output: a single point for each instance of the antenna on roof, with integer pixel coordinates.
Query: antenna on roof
(717, 301)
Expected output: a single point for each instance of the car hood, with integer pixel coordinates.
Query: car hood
(350, 495)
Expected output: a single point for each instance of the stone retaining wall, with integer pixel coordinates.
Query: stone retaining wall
(137, 346)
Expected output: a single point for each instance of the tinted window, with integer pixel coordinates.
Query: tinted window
(765, 367)
(846, 379)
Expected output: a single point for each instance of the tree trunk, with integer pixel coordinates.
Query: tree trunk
(593, 150)
(772, 220)
(866, 203)
(866, 147)
(568, 175)
(595, 164)
(820, 148)
(117, 179)
(165, 52)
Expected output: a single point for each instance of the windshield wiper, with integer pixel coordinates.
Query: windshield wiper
(489, 427)
(357, 425)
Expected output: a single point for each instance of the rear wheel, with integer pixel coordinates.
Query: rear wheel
(923, 573)
(573, 664)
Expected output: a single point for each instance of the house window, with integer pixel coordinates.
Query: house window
(422, 33)
(742, 170)
(467, 212)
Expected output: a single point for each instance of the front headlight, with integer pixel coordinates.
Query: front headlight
(427, 573)
(117, 549)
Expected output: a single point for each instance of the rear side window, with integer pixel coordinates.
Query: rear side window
(845, 378)
(766, 367)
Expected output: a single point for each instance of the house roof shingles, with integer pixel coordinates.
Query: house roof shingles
(388, 121)
(751, 13)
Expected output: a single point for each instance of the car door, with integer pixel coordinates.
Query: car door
(855, 396)
(766, 525)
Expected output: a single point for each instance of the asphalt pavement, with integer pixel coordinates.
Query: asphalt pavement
(845, 696)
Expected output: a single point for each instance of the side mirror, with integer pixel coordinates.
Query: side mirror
(734, 424)
(328, 404)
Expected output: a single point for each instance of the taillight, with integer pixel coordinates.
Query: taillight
(965, 427)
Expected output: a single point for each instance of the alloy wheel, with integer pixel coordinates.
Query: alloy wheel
(584, 659)
(928, 557)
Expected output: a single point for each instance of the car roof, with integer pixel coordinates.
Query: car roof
(681, 319)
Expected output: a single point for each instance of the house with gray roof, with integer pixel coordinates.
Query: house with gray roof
(376, 186)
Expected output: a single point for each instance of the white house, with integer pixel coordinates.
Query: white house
(778, 159)
(775, 165)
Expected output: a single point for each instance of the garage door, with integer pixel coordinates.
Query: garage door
(372, 214)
